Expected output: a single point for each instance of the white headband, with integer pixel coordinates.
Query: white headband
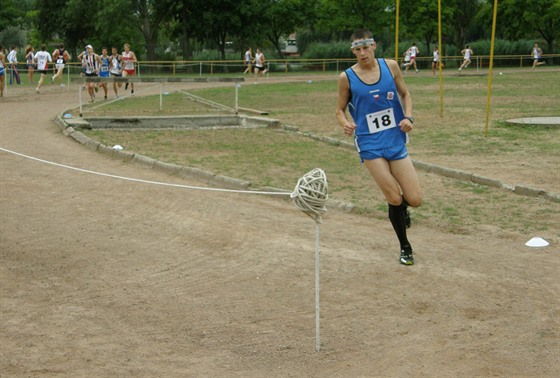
(363, 42)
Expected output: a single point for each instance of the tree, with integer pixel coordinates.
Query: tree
(461, 19)
(15, 22)
(118, 12)
(279, 18)
(218, 22)
(47, 11)
(150, 15)
(421, 21)
(519, 19)
(14, 13)
(345, 16)
(78, 28)
(186, 25)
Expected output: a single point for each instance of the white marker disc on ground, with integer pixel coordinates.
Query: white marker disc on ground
(537, 242)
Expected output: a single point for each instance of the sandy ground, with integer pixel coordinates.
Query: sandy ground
(105, 277)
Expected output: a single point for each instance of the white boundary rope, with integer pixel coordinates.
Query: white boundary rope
(140, 180)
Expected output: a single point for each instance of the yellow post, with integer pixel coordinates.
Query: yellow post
(397, 31)
(490, 65)
(440, 62)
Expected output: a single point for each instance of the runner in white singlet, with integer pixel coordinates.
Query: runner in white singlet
(466, 52)
(129, 58)
(116, 68)
(42, 58)
(537, 57)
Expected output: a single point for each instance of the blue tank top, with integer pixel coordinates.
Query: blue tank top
(376, 110)
(104, 70)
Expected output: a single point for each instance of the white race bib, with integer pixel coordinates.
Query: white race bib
(380, 121)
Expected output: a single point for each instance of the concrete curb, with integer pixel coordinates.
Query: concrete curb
(233, 183)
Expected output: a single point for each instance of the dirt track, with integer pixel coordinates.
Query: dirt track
(104, 277)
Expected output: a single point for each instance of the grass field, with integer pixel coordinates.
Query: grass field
(515, 155)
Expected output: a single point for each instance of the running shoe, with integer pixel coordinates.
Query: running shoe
(406, 257)
(126, 87)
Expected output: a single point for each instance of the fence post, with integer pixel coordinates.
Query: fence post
(161, 96)
(200, 70)
(80, 97)
(236, 98)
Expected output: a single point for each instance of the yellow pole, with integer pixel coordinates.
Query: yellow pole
(490, 66)
(397, 32)
(440, 62)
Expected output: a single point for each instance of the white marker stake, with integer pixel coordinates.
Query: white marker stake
(317, 294)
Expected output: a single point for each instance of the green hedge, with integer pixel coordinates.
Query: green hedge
(332, 50)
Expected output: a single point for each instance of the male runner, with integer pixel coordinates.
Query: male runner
(374, 92)
(42, 58)
(116, 68)
(60, 56)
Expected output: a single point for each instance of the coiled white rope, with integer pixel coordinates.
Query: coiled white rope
(311, 194)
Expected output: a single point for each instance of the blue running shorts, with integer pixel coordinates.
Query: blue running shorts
(389, 153)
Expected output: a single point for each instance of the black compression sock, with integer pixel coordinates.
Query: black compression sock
(398, 220)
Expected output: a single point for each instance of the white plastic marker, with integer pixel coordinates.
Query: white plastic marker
(537, 242)
(310, 196)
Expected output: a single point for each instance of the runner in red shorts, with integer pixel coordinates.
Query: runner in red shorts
(128, 58)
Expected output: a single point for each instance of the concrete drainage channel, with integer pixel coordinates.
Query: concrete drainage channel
(71, 126)
(175, 122)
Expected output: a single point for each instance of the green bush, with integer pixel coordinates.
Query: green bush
(207, 55)
(503, 47)
(333, 50)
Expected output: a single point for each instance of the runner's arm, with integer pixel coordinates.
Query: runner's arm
(342, 103)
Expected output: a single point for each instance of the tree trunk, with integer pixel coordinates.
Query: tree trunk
(222, 48)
